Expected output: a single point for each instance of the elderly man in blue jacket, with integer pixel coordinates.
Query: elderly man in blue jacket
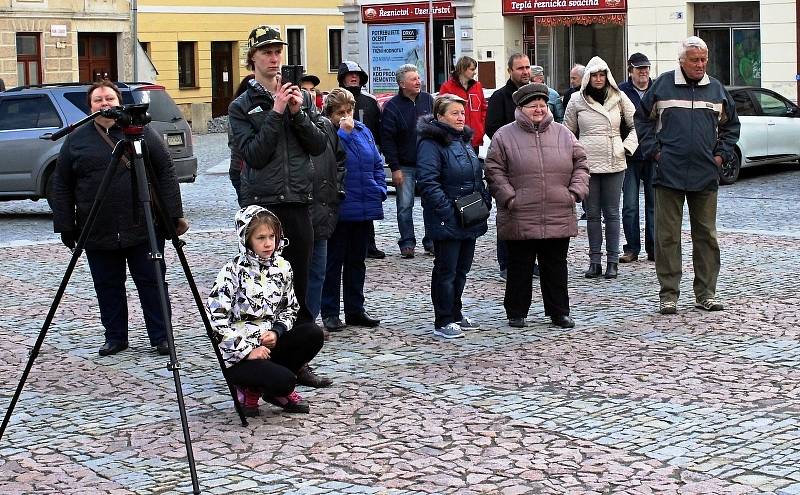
(399, 146)
(688, 124)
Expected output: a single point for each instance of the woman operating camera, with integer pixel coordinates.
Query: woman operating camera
(118, 235)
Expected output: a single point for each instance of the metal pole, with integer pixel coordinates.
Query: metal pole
(431, 69)
(135, 40)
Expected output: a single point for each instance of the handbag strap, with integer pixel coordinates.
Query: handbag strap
(104, 134)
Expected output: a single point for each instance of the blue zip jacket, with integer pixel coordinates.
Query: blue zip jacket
(399, 128)
(364, 180)
(447, 169)
(633, 94)
(688, 122)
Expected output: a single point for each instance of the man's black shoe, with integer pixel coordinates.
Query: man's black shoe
(110, 348)
(562, 321)
(307, 377)
(361, 320)
(163, 348)
(333, 324)
(516, 322)
(651, 257)
(375, 254)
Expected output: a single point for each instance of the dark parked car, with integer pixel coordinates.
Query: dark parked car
(770, 130)
(27, 112)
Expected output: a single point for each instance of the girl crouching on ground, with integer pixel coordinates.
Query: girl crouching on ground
(253, 308)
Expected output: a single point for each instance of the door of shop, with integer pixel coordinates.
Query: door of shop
(97, 56)
(221, 77)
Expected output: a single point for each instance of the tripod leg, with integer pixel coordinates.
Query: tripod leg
(156, 257)
(76, 254)
(178, 244)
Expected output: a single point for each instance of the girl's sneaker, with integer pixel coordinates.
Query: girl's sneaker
(248, 398)
(291, 403)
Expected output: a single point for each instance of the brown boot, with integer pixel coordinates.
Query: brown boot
(628, 257)
(307, 377)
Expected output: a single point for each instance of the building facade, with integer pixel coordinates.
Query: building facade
(199, 48)
(51, 41)
(750, 43)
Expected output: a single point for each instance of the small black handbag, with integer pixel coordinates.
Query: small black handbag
(472, 209)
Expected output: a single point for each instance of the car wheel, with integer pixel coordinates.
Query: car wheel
(730, 170)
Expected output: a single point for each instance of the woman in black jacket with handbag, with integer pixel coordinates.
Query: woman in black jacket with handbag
(448, 172)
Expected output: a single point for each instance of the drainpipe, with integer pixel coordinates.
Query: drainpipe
(135, 40)
(797, 44)
(430, 48)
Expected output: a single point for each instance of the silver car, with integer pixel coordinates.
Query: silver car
(27, 112)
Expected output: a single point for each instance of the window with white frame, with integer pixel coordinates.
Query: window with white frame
(294, 52)
(334, 48)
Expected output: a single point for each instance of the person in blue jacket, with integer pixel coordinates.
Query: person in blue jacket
(365, 191)
(447, 169)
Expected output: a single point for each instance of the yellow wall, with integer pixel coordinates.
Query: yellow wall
(164, 30)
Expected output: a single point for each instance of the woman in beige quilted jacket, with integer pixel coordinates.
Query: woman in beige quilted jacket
(601, 115)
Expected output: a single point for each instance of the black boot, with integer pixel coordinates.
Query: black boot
(594, 271)
(611, 271)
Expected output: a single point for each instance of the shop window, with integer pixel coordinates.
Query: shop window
(187, 64)
(294, 52)
(334, 49)
(559, 46)
(731, 31)
(29, 59)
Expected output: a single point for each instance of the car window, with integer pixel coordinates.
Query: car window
(162, 108)
(78, 98)
(28, 113)
(744, 104)
(771, 105)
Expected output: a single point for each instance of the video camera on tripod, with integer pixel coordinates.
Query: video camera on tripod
(131, 118)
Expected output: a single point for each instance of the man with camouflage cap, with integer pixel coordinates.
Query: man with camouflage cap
(270, 127)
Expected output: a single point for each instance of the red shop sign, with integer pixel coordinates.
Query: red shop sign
(511, 7)
(404, 12)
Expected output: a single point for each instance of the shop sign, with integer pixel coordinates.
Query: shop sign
(545, 7)
(404, 12)
(390, 46)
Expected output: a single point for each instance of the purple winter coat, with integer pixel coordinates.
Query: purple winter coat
(531, 172)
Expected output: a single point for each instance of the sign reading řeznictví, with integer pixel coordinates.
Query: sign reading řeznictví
(390, 46)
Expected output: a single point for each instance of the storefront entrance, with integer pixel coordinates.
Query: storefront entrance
(558, 42)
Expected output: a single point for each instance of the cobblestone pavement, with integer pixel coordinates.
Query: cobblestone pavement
(627, 402)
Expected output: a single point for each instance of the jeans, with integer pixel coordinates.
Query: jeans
(108, 274)
(705, 248)
(297, 228)
(638, 171)
(345, 268)
(316, 276)
(450, 267)
(604, 194)
(405, 211)
(552, 254)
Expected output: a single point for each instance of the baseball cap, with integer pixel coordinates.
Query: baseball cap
(264, 35)
(638, 60)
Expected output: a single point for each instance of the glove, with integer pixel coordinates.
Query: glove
(68, 239)
(181, 225)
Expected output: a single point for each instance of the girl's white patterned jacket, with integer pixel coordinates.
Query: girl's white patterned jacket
(250, 296)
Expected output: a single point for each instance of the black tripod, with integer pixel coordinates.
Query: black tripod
(132, 119)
